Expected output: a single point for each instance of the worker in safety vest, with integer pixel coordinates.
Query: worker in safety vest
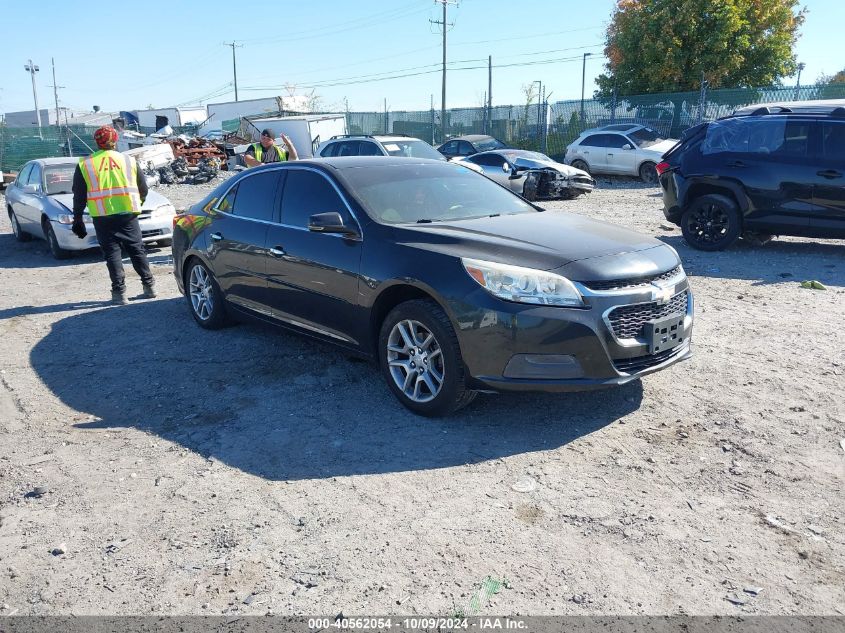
(112, 188)
(266, 150)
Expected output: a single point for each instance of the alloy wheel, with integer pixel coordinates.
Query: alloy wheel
(415, 360)
(16, 228)
(709, 223)
(201, 292)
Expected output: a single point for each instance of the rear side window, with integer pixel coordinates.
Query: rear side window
(307, 193)
(777, 137)
(255, 196)
(833, 141)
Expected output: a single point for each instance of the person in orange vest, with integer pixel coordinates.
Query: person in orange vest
(112, 188)
(266, 150)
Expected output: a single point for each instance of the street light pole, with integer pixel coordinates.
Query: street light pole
(32, 69)
(798, 81)
(583, 75)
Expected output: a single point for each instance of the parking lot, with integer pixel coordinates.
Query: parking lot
(250, 471)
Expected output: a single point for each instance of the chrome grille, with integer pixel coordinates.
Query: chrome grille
(618, 284)
(627, 321)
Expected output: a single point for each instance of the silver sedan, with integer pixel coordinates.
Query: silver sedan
(40, 204)
(532, 175)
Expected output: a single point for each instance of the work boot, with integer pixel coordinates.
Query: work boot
(149, 291)
(118, 298)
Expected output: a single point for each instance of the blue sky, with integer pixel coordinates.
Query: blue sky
(167, 53)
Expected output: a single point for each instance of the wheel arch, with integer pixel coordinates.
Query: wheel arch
(390, 297)
(695, 189)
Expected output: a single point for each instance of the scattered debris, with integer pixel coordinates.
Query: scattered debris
(59, 549)
(524, 484)
(813, 285)
(815, 530)
(489, 587)
(772, 521)
(36, 493)
(735, 599)
(842, 443)
(752, 590)
(116, 546)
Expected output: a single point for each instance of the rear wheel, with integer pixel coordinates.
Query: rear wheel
(648, 173)
(711, 223)
(204, 297)
(57, 251)
(580, 164)
(19, 233)
(421, 360)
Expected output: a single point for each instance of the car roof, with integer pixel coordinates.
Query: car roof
(822, 106)
(620, 127)
(350, 162)
(471, 137)
(377, 137)
(57, 160)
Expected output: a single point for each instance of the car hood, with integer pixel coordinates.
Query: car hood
(153, 201)
(660, 148)
(547, 241)
(534, 163)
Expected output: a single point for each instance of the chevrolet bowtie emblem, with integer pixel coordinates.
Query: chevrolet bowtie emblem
(661, 294)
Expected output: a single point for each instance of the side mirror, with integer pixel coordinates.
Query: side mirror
(331, 222)
(627, 146)
(31, 188)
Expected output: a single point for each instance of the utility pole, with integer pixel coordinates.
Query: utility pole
(444, 26)
(56, 93)
(32, 69)
(798, 81)
(234, 64)
(583, 74)
(490, 94)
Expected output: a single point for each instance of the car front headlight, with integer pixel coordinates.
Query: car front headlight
(165, 209)
(523, 285)
(64, 218)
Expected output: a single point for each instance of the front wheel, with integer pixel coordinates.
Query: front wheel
(711, 223)
(580, 164)
(204, 297)
(421, 360)
(648, 173)
(57, 251)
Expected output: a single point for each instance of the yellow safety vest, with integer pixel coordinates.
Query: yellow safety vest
(258, 148)
(112, 180)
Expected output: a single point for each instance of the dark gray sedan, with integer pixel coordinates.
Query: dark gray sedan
(40, 204)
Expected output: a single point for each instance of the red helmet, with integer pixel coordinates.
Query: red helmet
(105, 137)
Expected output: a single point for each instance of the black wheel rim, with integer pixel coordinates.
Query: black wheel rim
(709, 224)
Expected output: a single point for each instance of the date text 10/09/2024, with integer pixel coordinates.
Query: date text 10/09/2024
(418, 623)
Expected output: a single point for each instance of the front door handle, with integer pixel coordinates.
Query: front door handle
(216, 236)
(830, 173)
(736, 163)
(277, 251)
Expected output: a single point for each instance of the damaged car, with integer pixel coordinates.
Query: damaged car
(532, 175)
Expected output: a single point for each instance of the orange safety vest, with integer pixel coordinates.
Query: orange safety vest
(112, 180)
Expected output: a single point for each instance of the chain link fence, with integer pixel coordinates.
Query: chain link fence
(547, 127)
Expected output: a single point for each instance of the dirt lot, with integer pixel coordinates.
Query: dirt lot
(252, 471)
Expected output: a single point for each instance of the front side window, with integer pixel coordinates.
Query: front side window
(369, 149)
(450, 148)
(833, 141)
(34, 177)
(465, 149)
(307, 193)
(347, 148)
(255, 196)
(615, 141)
(645, 137)
(24, 175)
(488, 160)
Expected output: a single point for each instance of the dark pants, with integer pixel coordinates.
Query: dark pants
(114, 231)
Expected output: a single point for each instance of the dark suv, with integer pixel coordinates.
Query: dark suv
(764, 171)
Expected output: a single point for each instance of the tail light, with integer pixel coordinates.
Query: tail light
(662, 167)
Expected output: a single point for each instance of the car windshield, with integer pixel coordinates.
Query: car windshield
(412, 149)
(512, 156)
(645, 137)
(59, 178)
(396, 194)
(485, 145)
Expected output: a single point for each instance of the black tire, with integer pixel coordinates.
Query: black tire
(167, 242)
(583, 166)
(453, 393)
(214, 316)
(711, 223)
(648, 173)
(19, 233)
(50, 235)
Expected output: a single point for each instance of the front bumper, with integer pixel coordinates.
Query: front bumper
(153, 229)
(516, 347)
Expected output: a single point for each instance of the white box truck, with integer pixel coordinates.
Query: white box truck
(305, 131)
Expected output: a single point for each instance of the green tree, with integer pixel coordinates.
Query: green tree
(831, 86)
(670, 45)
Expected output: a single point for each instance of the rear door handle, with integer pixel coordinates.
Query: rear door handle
(736, 163)
(277, 251)
(216, 236)
(830, 173)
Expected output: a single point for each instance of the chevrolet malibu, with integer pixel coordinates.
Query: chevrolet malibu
(451, 282)
(40, 204)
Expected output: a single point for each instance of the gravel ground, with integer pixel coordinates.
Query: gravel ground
(252, 471)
